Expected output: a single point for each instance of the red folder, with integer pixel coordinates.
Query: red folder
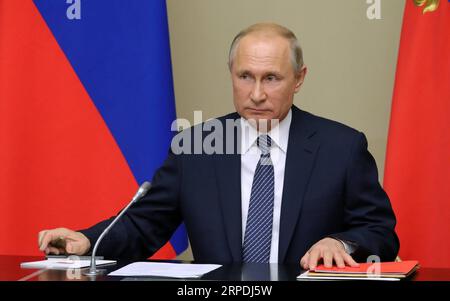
(383, 269)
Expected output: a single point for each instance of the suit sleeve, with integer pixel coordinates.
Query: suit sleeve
(149, 223)
(369, 218)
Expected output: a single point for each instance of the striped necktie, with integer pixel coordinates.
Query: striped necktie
(258, 232)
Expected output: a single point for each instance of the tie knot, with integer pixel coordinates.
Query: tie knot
(264, 143)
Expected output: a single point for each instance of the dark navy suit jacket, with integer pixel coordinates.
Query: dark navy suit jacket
(331, 188)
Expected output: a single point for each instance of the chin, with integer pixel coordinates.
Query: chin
(263, 124)
(259, 115)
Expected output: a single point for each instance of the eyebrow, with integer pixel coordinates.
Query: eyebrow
(244, 71)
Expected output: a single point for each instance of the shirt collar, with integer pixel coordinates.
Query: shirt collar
(279, 134)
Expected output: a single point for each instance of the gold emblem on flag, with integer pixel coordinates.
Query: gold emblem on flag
(430, 5)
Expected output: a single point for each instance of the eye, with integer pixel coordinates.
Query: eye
(244, 76)
(271, 78)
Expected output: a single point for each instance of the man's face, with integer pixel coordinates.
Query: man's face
(264, 81)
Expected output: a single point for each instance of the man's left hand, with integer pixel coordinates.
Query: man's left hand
(328, 250)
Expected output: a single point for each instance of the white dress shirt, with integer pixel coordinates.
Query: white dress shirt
(250, 155)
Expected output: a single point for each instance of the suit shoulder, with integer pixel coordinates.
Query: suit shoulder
(336, 139)
(328, 127)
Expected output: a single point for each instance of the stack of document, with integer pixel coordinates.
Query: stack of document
(159, 269)
(63, 263)
(388, 271)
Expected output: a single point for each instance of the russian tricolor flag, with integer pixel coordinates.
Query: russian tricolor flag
(86, 105)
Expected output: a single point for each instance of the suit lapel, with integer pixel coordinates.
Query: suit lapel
(300, 158)
(228, 175)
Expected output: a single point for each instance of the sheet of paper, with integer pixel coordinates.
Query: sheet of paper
(62, 263)
(160, 269)
(305, 276)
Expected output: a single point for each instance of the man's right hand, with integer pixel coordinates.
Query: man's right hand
(63, 241)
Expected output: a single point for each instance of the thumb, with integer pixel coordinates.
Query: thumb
(69, 248)
(75, 247)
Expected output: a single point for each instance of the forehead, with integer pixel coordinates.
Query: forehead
(263, 50)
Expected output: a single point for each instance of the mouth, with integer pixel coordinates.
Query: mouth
(260, 111)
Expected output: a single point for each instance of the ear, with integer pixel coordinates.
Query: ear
(300, 78)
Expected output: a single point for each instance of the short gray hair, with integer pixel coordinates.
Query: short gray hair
(296, 50)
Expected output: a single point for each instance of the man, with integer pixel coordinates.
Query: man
(304, 190)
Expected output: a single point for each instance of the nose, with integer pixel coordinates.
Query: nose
(258, 95)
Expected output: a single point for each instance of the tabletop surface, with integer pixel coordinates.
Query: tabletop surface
(10, 270)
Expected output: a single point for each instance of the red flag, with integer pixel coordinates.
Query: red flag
(417, 173)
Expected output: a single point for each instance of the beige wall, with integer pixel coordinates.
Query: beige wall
(351, 59)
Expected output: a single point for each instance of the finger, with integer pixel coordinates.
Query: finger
(314, 257)
(46, 239)
(304, 261)
(328, 259)
(53, 250)
(70, 248)
(338, 258)
(40, 236)
(350, 261)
